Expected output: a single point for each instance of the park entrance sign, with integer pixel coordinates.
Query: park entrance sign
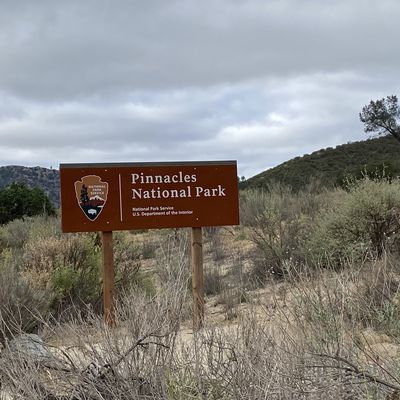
(109, 197)
(127, 196)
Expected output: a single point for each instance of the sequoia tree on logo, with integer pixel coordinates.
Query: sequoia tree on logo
(91, 194)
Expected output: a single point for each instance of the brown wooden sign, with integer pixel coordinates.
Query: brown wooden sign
(109, 197)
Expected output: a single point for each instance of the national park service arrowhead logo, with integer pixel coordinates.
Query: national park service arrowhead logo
(91, 194)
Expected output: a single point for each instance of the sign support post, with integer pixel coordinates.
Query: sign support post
(108, 278)
(197, 278)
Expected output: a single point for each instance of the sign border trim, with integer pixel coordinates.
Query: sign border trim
(148, 164)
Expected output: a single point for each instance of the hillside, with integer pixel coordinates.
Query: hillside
(329, 165)
(46, 179)
(332, 165)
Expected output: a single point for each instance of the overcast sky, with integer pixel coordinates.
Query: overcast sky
(258, 81)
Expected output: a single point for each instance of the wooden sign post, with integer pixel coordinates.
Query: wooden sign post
(127, 196)
(108, 278)
(197, 278)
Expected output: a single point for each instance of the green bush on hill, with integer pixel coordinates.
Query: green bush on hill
(332, 167)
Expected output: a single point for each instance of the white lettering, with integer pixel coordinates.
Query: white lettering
(210, 192)
(135, 177)
(136, 193)
(158, 179)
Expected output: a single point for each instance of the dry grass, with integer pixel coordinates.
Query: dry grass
(304, 338)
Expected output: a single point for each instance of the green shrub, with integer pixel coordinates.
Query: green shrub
(20, 303)
(213, 281)
(68, 265)
(75, 287)
(18, 201)
(64, 280)
(43, 227)
(149, 248)
(127, 261)
(364, 218)
(14, 234)
(18, 232)
(277, 226)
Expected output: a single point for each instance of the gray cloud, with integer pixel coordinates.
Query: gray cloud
(258, 81)
(75, 48)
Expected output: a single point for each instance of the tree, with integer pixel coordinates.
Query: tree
(18, 201)
(382, 116)
(84, 194)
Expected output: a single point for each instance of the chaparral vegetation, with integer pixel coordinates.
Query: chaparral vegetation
(302, 302)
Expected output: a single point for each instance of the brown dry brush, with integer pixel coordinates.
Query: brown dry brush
(93, 361)
(60, 377)
(329, 311)
(287, 354)
(306, 345)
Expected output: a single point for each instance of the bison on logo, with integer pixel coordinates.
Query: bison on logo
(91, 194)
